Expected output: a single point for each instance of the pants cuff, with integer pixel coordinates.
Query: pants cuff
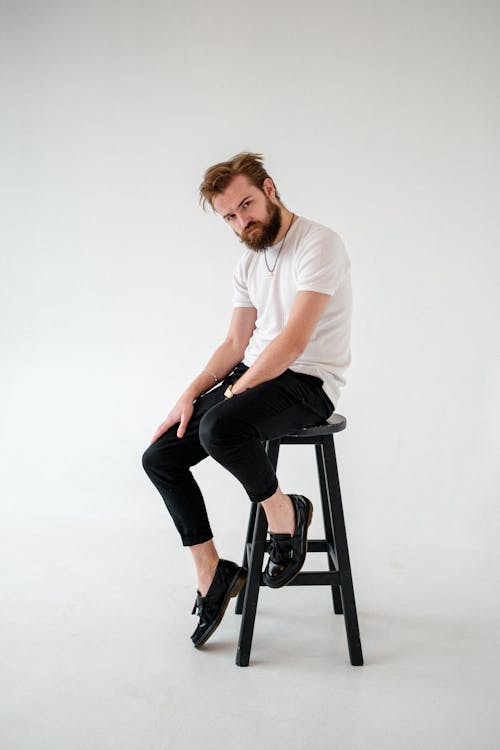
(190, 540)
(257, 498)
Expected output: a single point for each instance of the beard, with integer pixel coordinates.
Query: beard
(264, 233)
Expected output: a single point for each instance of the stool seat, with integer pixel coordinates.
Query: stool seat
(338, 423)
(334, 544)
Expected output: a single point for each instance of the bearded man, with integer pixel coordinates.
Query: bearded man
(279, 369)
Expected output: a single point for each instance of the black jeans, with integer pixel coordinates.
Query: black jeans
(232, 431)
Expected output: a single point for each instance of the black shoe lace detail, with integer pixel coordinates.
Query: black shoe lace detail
(198, 605)
(205, 607)
(280, 550)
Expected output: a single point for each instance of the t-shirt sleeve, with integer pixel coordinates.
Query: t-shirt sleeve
(321, 263)
(241, 297)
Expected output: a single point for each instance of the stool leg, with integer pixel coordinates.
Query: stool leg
(250, 529)
(346, 588)
(252, 588)
(337, 601)
(272, 450)
(254, 579)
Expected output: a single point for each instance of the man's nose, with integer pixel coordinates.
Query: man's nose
(244, 222)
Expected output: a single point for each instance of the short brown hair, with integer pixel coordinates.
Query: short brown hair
(218, 177)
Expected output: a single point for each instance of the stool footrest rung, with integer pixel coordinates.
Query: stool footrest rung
(313, 545)
(316, 578)
(317, 545)
(311, 577)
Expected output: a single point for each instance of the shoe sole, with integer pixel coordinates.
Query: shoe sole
(235, 587)
(292, 577)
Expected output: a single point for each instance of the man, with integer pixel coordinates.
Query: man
(279, 369)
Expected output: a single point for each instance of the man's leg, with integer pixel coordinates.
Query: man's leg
(167, 462)
(205, 558)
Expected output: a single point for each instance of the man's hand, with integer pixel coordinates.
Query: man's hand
(182, 412)
(224, 359)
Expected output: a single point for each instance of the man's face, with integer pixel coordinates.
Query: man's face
(248, 210)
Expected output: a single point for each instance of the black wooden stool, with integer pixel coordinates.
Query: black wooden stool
(338, 577)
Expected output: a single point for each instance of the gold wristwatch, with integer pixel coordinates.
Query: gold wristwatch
(228, 393)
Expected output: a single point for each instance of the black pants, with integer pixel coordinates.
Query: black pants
(231, 431)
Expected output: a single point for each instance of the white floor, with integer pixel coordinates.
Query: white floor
(97, 655)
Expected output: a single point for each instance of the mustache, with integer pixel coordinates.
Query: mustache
(252, 225)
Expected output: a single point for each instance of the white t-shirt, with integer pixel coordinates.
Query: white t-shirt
(313, 258)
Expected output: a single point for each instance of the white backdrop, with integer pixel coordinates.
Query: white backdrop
(116, 287)
(380, 120)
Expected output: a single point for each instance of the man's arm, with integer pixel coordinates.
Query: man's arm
(307, 309)
(222, 361)
(229, 353)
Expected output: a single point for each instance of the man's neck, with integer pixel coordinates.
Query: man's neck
(286, 223)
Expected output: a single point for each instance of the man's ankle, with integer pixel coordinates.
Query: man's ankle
(206, 576)
(280, 514)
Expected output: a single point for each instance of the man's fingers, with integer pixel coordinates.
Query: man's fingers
(162, 428)
(182, 427)
(184, 422)
(155, 437)
(171, 420)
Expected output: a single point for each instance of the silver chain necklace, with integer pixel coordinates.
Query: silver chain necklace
(270, 271)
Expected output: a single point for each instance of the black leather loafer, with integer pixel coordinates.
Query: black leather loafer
(228, 580)
(286, 552)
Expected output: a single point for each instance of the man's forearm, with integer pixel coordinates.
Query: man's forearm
(273, 361)
(222, 361)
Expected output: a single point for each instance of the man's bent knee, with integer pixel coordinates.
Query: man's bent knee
(220, 429)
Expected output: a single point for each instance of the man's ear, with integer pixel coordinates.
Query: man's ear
(268, 187)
